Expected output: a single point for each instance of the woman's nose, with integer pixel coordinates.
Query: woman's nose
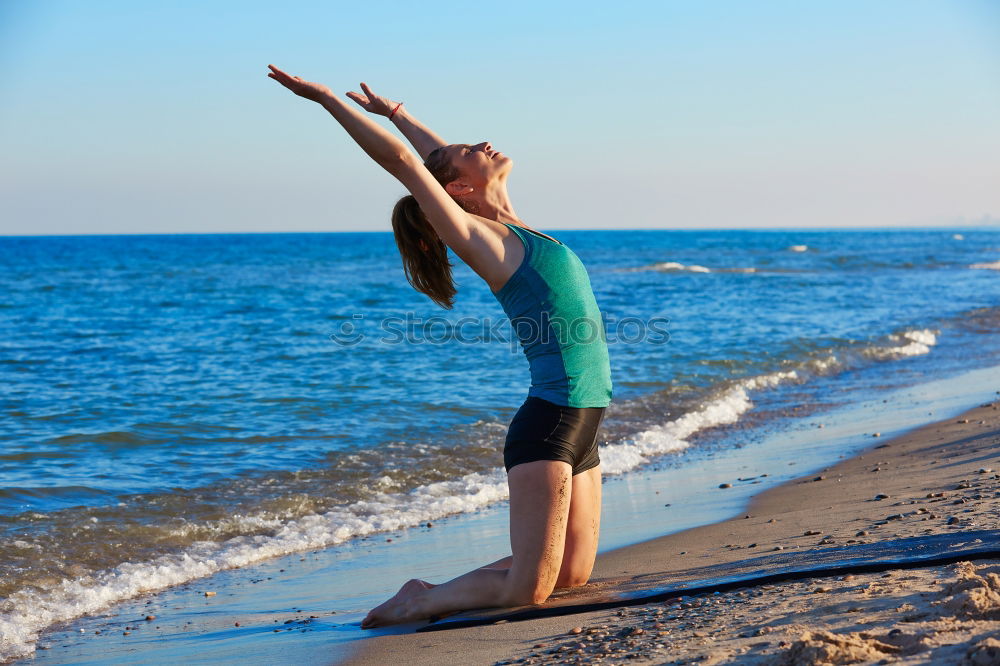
(485, 145)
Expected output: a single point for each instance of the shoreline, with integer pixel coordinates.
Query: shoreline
(301, 607)
(835, 507)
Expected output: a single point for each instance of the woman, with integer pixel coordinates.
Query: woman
(458, 199)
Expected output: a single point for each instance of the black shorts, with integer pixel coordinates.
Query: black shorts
(542, 430)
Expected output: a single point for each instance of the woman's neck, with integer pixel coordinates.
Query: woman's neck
(494, 204)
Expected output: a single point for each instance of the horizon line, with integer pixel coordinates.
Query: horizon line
(992, 224)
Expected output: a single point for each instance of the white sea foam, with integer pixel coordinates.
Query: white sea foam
(911, 343)
(671, 267)
(675, 266)
(34, 611)
(821, 366)
(666, 266)
(673, 436)
(797, 248)
(992, 265)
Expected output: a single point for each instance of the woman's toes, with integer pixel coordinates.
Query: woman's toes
(400, 608)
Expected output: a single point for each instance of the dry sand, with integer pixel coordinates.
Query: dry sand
(940, 478)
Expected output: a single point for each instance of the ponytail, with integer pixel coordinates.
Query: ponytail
(425, 256)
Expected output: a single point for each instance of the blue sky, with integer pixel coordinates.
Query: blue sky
(142, 117)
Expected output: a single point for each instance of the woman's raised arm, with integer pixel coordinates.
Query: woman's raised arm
(380, 144)
(421, 137)
(453, 225)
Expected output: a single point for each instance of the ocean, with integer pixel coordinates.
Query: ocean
(178, 405)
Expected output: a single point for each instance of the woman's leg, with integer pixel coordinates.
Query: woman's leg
(583, 529)
(582, 532)
(540, 497)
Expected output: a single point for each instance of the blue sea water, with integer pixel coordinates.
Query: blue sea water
(176, 405)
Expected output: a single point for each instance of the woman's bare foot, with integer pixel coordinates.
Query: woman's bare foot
(397, 609)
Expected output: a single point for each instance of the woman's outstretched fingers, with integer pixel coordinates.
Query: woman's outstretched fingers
(277, 74)
(371, 102)
(365, 101)
(312, 91)
(359, 98)
(282, 76)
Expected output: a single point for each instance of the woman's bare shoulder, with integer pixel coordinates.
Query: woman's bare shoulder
(487, 226)
(496, 251)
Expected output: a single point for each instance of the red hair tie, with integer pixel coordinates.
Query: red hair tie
(395, 110)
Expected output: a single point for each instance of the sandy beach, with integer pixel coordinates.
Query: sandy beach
(939, 478)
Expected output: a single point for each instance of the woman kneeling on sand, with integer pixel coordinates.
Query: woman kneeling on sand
(458, 199)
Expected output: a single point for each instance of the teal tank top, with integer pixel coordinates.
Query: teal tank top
(553, 312)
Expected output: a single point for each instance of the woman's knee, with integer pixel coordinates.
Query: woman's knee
(573, 577)
(528, 591)
(575, 571)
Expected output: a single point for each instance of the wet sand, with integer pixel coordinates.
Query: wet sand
(940, 478)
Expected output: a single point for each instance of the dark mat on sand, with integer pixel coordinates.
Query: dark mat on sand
(908, 553)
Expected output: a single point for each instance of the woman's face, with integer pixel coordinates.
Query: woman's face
(479, 163)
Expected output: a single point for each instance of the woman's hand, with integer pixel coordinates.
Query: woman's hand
(314, 91)
(373, 103)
